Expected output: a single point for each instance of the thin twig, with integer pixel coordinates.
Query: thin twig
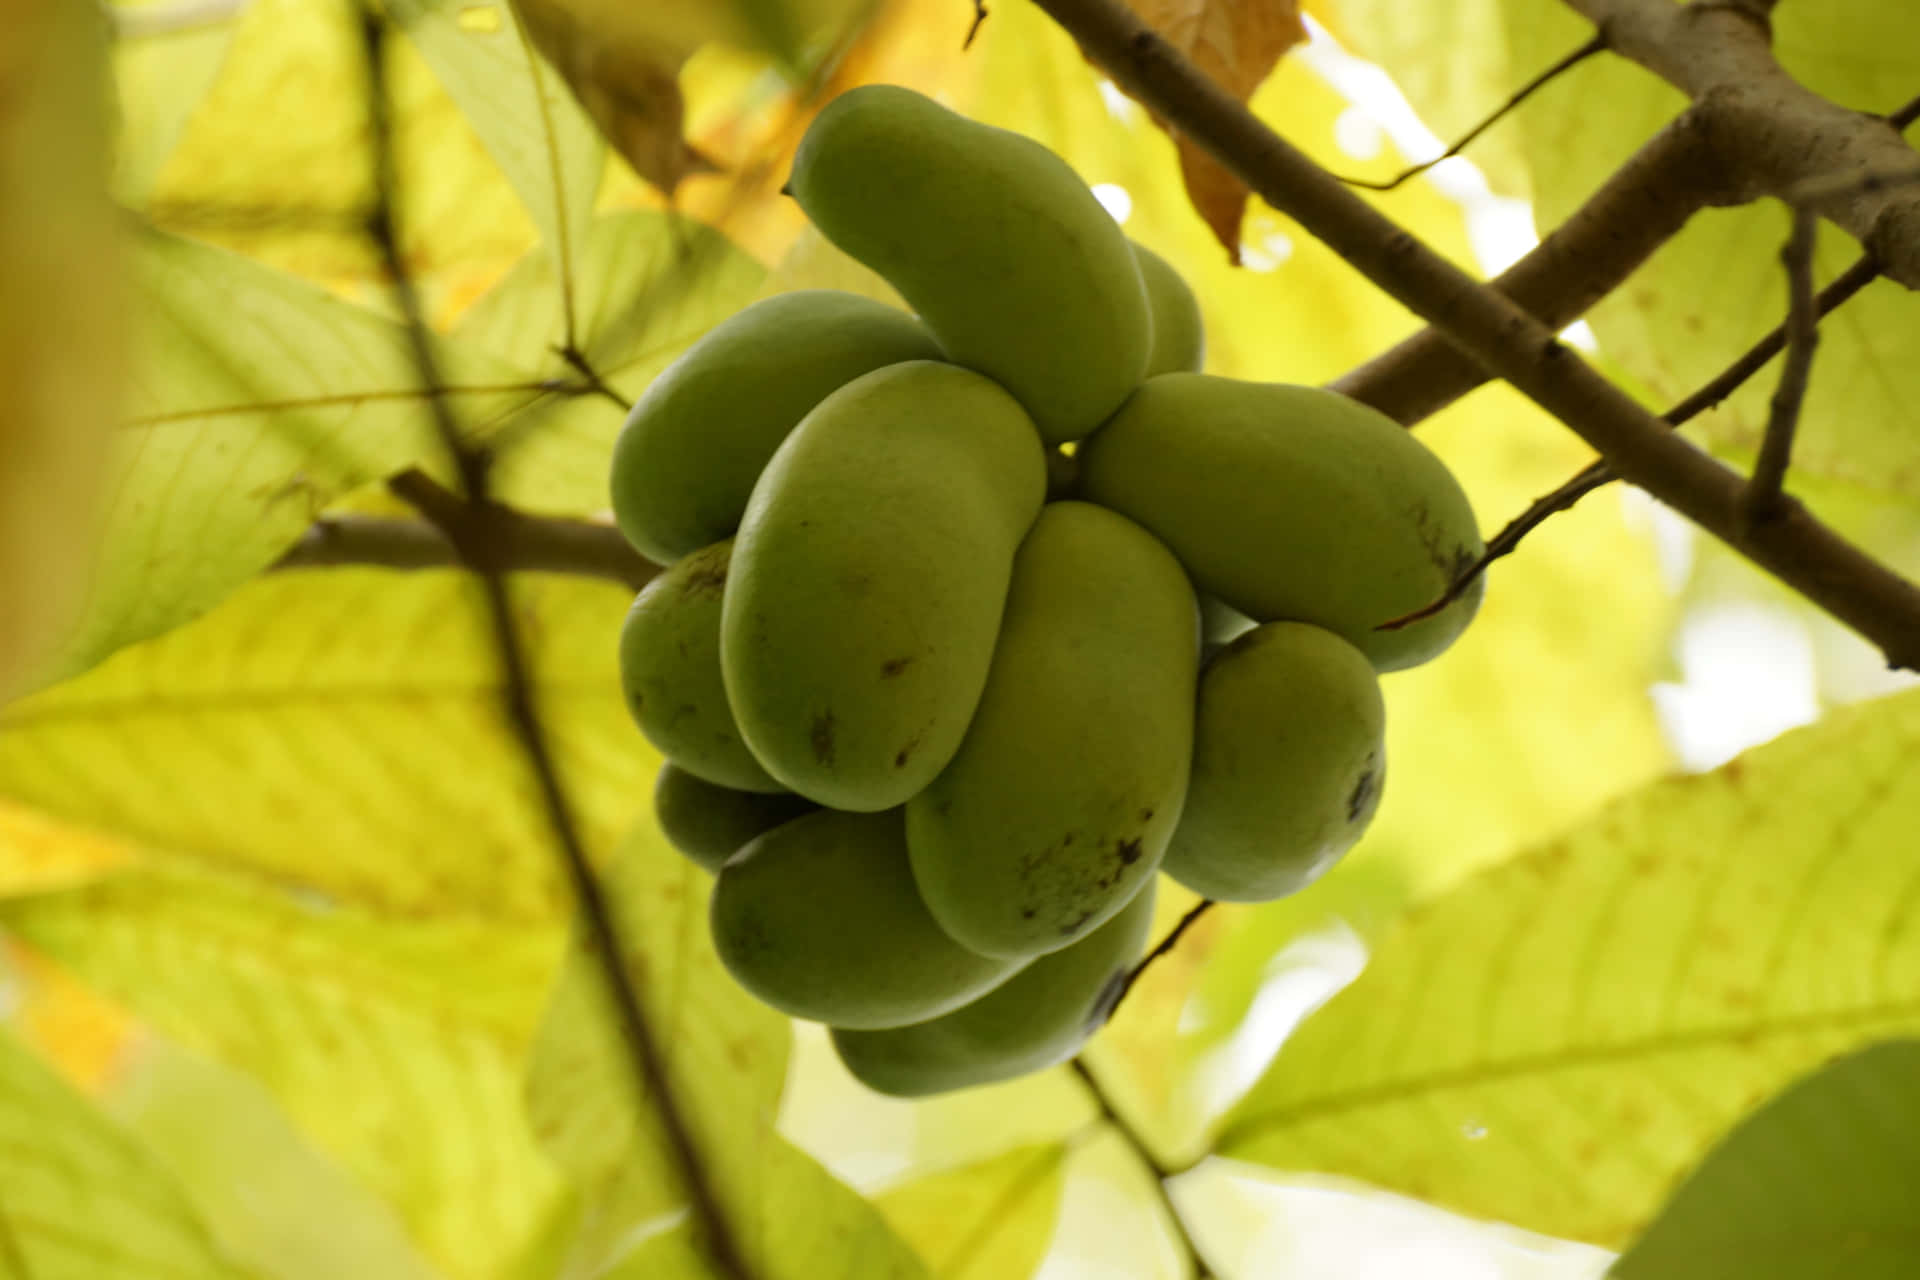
(1159, 1168)
(1585, 51)
(1905, 116)
(979, 16)
(479, 548)
(1595, 475)
(1161, 948)
(576, 360)
(1803, 335)
(538, 544)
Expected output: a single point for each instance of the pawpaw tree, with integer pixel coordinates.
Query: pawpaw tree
(1438, 479)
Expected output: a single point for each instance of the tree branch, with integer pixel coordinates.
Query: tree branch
(541, 544)
(1161, 948)
(1637, 209)
(1498, 333)
(1776, 134)
(477, 542)
(1803, 335)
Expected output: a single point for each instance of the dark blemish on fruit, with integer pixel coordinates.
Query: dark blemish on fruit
(1366, 793)
(1128, 851)
(1108, 999)
(901, 756)
(822, 737)
(1026, 913)
(1068, 931)
(681, 712)
(1066, 841)
(1146, 815)
(893, 667)
(707, 581)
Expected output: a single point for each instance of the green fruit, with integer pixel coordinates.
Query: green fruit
(1293, 503)
(820, 919)
(670, 672)
(993, 239)
(696, 441)
(710, 824)
(1062, 797)
(1179, 337)
(1288, 764)
(869, 577)
(1039, 1017)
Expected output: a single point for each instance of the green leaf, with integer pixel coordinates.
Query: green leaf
(1711, 292)
(269, 1198)
(166, 71)
(393, 1045)
(257, 399)
(530, 124)
(645, 286)
(1822, 1180)
(725, 1055)
(1551, 1042)
(1451, 62)
(79, 1200)
(991, 1220)
(341, 730)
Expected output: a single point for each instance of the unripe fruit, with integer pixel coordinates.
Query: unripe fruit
(670, 672)
(696, 441)
(1288, 764)
(1062, 797)
(1293, 503)
(1179, 335)
(992, 239)
(710, 824)
(1039, 1017)
(868, 581)
(820, 919)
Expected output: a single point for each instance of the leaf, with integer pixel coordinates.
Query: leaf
(646, 285)
(393, 1045)
(79, 1199)
(61, 338)
(991, 1220)
(296, 1215)
(340, 730)
(256, 400)
(725, 1055)
(167, 70)
(622, 62)
(1551, 1042)
(1820, 1180)
(1236, 43)
(525, 118)
(1711, 292)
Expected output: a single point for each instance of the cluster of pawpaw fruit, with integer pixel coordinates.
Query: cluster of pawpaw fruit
(980, 616)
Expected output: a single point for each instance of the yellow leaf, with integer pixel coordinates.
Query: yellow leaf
(59, 319)
(1236, 42)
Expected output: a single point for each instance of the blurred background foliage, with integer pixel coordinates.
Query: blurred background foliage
(287, 986)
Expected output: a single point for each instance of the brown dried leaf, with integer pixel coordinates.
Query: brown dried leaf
(622, 60)
(1236, 43)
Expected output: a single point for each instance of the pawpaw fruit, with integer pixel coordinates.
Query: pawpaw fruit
(1293, 504)
(1003, 251)
(868, 580)
(1037, 1018)
(1064, 792)
(697, 439)
(819, 918)
(1289, 760)
(1179, 335)
(711, 823)
(670, 672)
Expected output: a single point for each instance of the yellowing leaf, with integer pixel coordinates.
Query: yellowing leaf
(60, 330)
(341, 730)
(1236, 43)
(78, 1198)
(991, 1220)
(394, 1045)
(1553, 1041)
